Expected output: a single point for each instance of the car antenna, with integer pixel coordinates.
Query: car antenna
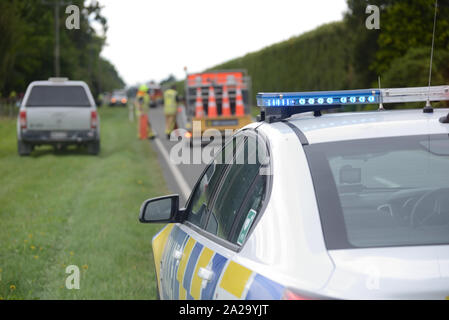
(381, 105)
(428, 108)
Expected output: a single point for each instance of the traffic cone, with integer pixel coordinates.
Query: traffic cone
(143, 126)
(225, 106)
(199, 111)
(212, 105)
(239, 107)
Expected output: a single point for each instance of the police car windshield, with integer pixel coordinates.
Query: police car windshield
(58, 96)
(382, 192)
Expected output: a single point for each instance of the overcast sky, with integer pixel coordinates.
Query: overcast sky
(150, 39)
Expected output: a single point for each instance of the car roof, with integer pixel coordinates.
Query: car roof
(372, 124)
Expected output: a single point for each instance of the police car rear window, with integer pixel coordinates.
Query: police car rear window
(58, 96)
(382, 192)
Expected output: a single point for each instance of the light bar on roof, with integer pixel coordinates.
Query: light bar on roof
(343, 97)
(284, 104)
(319, 98)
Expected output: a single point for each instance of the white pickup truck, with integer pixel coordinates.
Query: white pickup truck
(58, 112)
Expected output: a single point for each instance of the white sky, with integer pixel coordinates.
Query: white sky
(149, 39)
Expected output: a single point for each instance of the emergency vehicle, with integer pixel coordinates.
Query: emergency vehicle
(336, 205)
(217, 100)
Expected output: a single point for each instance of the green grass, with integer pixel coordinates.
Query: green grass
(69, 208)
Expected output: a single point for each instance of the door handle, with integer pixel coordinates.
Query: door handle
(177, 255)
(205, 274)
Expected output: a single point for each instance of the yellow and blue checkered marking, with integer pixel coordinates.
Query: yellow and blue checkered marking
(188, 274)
(159, 242)
(218, 263)
(181, 293)
(235, 278)
(264, 289)
(184, 282)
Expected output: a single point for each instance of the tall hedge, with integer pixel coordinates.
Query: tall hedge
(316, 60)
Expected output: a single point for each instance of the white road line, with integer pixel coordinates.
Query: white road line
(185, 189)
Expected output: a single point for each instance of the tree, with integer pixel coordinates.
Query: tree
(27, 42)
(169, 80)
(412, 69)
(409, 24)
(10, 29)
(363, 42)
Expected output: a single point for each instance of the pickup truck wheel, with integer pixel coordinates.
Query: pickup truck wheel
(93, 148)
(23, 148)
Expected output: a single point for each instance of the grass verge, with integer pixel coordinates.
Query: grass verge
(69, 208)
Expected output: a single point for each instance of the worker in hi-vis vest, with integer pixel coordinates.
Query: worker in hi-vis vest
(142, 108)
(170, 109)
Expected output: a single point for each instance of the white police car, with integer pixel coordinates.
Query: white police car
(348, 205)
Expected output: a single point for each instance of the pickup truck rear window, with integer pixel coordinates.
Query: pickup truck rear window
(58, 96)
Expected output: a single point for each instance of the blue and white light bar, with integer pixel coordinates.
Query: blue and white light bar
(319, 98)
(284, 104)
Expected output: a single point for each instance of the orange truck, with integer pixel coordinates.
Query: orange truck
(217, 100)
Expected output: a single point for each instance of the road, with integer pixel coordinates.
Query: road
(180, 178)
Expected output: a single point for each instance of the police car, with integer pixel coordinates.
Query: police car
(334, 206)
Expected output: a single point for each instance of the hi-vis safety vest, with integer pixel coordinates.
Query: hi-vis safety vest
(170, 101)
(145, 104)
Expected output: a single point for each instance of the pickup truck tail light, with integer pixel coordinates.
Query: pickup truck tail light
(93, 120)
(23, 119)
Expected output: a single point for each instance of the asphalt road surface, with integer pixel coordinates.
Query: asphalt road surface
(180, 178)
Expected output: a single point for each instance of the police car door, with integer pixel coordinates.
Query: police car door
(181, 250)
(221, 211)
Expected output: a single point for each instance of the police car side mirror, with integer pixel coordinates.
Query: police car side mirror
(161, 210)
